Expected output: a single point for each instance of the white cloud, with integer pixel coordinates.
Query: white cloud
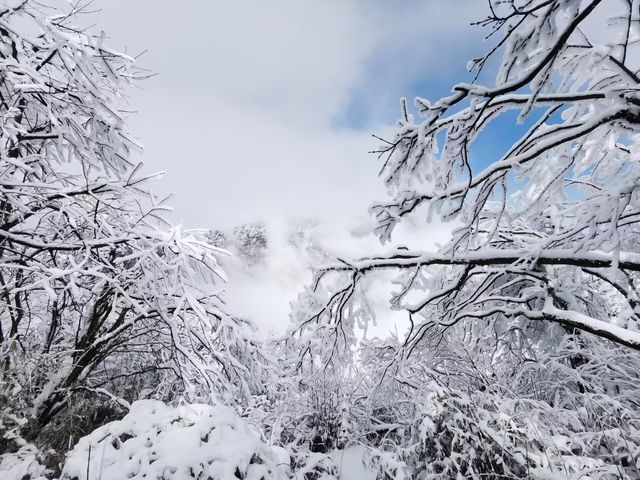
(241, 113)
(296, 60)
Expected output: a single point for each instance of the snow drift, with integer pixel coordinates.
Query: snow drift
(157, 441)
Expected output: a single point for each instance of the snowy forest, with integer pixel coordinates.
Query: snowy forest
(510, 350)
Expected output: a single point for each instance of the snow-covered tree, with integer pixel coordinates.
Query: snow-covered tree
(251, 241)
(548, 228)
(97, 288)
(534, 300)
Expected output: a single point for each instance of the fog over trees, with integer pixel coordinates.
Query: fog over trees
(513, 349)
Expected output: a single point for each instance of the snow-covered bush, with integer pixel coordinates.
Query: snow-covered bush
(309, 417)
(313, 465)
(19, 459)
(23, 464)
(551, 407)
(157, 441)
(478, 435)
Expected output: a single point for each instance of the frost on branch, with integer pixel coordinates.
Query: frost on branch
(549, 226)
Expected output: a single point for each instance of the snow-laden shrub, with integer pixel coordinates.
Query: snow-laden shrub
(477, 435)
(24, 464)
(19, 459)
(313, 465)
(160, 442)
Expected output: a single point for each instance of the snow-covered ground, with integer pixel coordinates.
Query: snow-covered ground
(155, 440)
(350, 464)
